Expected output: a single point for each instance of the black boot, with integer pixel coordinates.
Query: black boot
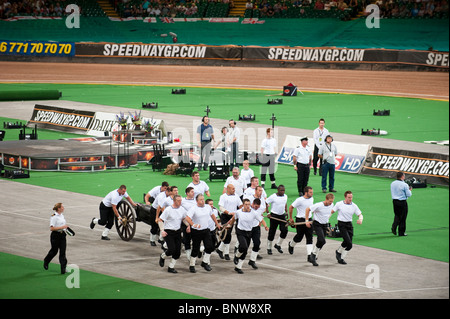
(313, 260)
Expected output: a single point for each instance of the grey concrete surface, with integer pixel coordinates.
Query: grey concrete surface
(24, 231)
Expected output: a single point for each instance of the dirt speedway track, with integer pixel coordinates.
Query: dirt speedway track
(433, 85)
(280, 276)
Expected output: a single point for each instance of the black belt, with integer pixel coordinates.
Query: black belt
(172, 231)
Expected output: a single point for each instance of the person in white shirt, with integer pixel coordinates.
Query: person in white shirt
(168, 201)
(198, 218)
(200, 187)
(212, 227)
(108, 208)
(301, 204)
(322, 212)
(319, 135)
(154, 214)
(269, 151)
(302, 161)
(57, 238)
(254, 182)
(346, 209)
(170, 227)
(247, 217)
(277, 215)
(149, 198)
(162, 204)
(233, 141)
(247, 173)
(229, 203)
(258, 204)
(237, 181)
(188, 202)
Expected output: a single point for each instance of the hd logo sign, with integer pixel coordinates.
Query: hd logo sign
(350, 157)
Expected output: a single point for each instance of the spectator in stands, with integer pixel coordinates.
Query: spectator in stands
(263, 10)
(165, 11)
(421, 12)
(249, 5)
(146, 5)
(414, 11)
(319, 5)
(442, 7)
(136, 11)
(386, 10)
(5, 8)
(127, 11)
(193, 9)
(429, 9)
(284, 8)
(58, 10)
(395, 12)
(404, 12)
(342, 5)
(277, 7)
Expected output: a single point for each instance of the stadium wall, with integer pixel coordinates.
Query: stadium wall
(225, 55)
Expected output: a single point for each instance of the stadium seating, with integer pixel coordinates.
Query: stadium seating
(291, 9)
(87, 8)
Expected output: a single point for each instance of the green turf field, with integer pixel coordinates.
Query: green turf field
(25, 278)
(411, 119)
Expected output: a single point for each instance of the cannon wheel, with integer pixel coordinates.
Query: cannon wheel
(127, 228)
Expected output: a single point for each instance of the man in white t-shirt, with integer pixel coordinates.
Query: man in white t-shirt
(237, 181)
(229, 203)
(322, 212)
(254, 182)
(247, 217)
(319, 135)
(198, 218)
(269, 150)
(200, 187)
(346, 209)
(188, 202)
(277, 215)
(108, 208)
(233, 141)
(301, 204)
(247, 173)
(154, 212)
(258, 203)
(170, 227)
(155, 191)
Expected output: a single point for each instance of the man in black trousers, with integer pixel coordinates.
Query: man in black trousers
(400, 192)
(302, 162)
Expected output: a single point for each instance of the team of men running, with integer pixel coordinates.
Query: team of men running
(195, 223)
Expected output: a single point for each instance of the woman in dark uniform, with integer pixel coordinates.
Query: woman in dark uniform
(57, 238)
